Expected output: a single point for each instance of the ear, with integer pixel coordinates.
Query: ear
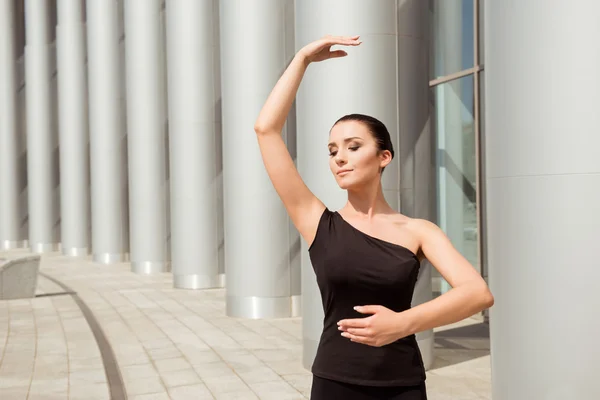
(385, 157)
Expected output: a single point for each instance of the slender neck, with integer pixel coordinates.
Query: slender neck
(367, 201)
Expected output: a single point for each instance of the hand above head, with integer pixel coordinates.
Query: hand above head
(383, 327)
(320, 50)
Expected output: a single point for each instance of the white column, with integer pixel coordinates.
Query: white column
(73, 128)
(146, 125)
(543, 182)
(258, 245)
(417, 173)
(11, 180)
(108, 150)
(193, 143)
(365, 82)
(42, 139)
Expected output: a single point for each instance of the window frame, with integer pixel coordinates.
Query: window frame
(477, 124)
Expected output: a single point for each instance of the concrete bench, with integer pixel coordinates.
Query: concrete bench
(18, 277)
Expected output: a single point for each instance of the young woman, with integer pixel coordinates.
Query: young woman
(366, 256)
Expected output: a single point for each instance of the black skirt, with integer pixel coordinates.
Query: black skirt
(326, 389)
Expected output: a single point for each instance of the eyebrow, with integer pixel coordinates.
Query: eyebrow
(345, 140)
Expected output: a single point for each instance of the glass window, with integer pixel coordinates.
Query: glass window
(452, 37)
(456, 167)
(480, 19)
(482, 173)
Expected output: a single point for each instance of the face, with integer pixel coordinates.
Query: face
(354, 157)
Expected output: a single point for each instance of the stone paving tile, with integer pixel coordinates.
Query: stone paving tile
(276, 390)
(134, 372)
(172, 364)
(199, 355)
(287, 367)
(443, 388)
(182, 377)
(231, 383)
(77, 364)
(257, 375)
(152, 396)
(97, 391)
(244, 395)
(175, 344)
(16, 368)
(87, 377)
(199, 391)
(14, 392)
(144, 386)
(301, 382)
(470, 377)
(46, 286)
(213, 369)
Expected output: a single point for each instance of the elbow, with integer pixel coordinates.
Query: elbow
(480, 296)
(489, 302)
(261, 125)
(259, 128)
(262, 129)
(487, 298)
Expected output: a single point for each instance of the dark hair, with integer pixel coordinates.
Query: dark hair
(377, 129)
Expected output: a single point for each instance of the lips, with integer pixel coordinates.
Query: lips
(343, 172)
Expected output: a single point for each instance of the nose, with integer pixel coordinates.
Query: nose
(339, 159)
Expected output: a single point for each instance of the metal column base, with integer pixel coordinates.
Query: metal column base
(41, 248)
(108, 258)
(75, 251)
(14, 244)
(263, 307)
(197, 281)
(150, 267)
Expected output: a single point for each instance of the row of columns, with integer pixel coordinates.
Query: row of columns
(42, 132)
(146, 135)
(141, 184)
(12, 180)
(197, 246)
(108, 140)
(73, 128)
(262, 251)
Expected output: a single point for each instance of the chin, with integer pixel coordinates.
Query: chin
(346, 184)
(356, 182)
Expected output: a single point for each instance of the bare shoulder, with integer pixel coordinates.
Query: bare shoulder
(415, 225)
(417, 232)
(404, 232)
(422, 226)
(400, 220)
(425, 232)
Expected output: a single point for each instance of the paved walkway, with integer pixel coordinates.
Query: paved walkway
(102, 332)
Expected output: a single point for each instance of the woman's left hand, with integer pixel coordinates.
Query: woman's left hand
(383, 327)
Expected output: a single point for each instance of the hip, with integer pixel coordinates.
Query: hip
(326, 389)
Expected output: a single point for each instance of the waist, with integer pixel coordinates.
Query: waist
(396, 364)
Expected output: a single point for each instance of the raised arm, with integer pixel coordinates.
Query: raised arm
(302, 205)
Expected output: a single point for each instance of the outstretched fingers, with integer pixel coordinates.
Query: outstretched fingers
(343, 40)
